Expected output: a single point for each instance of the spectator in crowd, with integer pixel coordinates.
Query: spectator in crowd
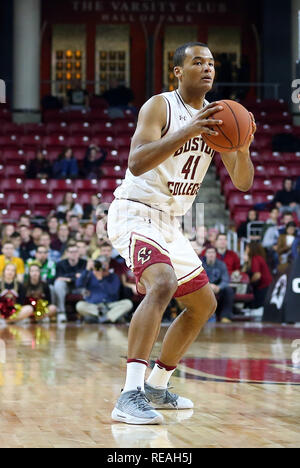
(63, 237)
(74, 226)
(212, 236)
(82, 248)
(93, 159)
(27, 247)
(36, 234)
(65, 167)
(271, 221)
(77, 98)
(67, 271)
(287, 199)
(38, 290)
(273, 232)
(102, 298)
(229, 257)
(119, 98)
(68, 205)
(24, 220)
(8, 257)
(284, 246)
(106, 250)
(12, 296)
(219, 280)
(16, 240)
(89, 212)
(47, 266)
(52, 225)
(260, 277)
(90, 237)
(39, 167)
(45, 241)
(7, 232)
(242, 229)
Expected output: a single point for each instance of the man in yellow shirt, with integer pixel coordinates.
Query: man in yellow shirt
(7, 257)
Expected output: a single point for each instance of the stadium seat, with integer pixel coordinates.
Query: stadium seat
(88, 185)
(80, 128)
(34, 129)
(16, 171)
(30, 141)
(13, 155)
(5, 114)
(11, 141)
(123, 154)
(53, 115)
(10, 128)
(240, 215)
(104, 141)
(122, 140)
(277, 170)
(99, 114)
(112, 156)
(239, 200)
(41, 203)
(57, 127)
(79, 141)
(107, 184)
(101, 127)
(40, 186)
(77, 116)
(123, 127)
(66, 185)
(11, 185)
(115, 172)
(56, 139)
(17, 200)
(107, 196)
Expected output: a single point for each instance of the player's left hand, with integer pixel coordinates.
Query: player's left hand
(245, 148)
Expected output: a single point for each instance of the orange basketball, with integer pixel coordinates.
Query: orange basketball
(234, 131)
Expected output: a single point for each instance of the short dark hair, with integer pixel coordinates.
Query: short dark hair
(211, 247)
(180, 52)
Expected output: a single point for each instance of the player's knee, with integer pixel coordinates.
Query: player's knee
(165, 285)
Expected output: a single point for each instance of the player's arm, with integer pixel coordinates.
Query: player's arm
(149, 149)
(239, 164)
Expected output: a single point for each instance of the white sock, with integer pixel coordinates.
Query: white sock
(135, 375)
(159, 376)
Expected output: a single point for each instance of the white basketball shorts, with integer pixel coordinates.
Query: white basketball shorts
(144, 235)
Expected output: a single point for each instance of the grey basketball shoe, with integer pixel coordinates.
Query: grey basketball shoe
(133, 408)
(161, 398)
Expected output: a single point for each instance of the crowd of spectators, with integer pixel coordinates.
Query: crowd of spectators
(69, 267)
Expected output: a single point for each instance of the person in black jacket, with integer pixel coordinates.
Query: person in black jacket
(39, 167)
(67, 271)
(93, 159)
(288, 199)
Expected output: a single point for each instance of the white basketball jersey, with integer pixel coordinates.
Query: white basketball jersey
(173, 185)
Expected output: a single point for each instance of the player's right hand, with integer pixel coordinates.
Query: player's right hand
(202, 122)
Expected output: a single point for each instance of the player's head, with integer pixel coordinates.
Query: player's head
(194, 66)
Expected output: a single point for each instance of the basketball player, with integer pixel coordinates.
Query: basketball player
(167, 162)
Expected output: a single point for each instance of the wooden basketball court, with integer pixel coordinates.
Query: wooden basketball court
(58, 385)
